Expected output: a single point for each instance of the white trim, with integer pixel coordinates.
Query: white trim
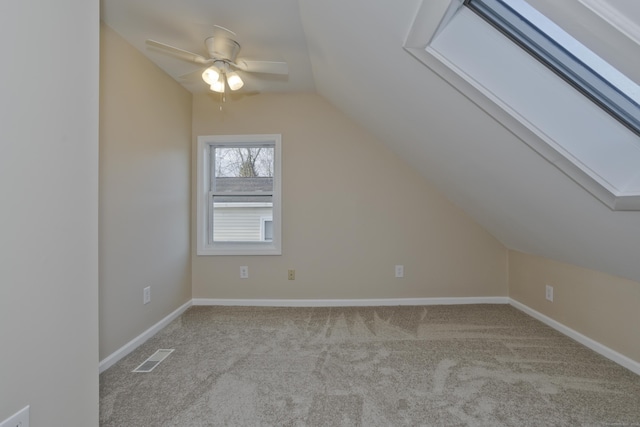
(114, 357)
(348, 302)
(601, 349)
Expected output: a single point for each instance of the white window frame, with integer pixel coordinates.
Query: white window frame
(204, 245)
(263, 226)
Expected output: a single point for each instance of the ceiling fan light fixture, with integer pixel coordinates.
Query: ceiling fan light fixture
(218, 67)
(218, 85)
(211, 75)
(234, 81)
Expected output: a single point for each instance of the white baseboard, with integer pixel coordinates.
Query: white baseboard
(605, 351)
(349, 302)
(610, 354)
(114, 357)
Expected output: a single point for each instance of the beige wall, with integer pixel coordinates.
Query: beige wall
(145, 133)
(49, 211)
(351, 211)
(605, 308)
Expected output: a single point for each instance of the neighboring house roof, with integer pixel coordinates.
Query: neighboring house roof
(226, 184)
(233, 184)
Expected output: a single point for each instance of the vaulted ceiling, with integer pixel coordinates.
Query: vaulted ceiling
(351, 53)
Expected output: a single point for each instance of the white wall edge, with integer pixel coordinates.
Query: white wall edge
(601, 349)
(349, 302)
(114, 357)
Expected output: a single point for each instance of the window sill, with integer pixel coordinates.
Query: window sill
(239, 249)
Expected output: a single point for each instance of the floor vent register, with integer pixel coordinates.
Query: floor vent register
(154, 360)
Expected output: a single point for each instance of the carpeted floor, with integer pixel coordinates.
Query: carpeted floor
(476, 365)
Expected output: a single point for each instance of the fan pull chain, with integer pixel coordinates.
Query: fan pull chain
(223, 98)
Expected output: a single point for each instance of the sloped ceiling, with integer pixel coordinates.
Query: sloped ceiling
(351, 53)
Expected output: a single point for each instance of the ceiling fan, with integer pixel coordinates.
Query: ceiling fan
(222, 63)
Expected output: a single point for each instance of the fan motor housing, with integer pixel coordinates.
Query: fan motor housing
(222, 48)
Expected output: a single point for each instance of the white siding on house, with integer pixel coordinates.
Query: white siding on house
(239, 224)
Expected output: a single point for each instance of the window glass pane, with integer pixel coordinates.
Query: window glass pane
(245, 162)
(243, 169)
(574, 62)
(239, 218)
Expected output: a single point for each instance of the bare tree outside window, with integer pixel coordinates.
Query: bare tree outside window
(244, 162)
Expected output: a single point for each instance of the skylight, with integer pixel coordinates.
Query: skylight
(567, 57)
(525, 76)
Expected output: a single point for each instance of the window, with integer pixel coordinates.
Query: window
(239, 195)
(579, 66)
(593, 139)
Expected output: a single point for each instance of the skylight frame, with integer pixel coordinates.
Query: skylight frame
(570, 65)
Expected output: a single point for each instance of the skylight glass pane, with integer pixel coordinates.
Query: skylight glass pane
(570, 59)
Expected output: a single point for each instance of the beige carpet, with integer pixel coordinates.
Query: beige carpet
(476, 365)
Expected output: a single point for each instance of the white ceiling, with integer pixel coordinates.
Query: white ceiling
(350, 52)
(266, 30)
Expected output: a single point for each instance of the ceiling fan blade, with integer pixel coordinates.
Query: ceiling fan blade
(192, 77)
(267, 67)
(180, 53)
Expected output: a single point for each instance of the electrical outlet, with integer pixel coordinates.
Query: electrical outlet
(146, 295)
(399, 270)
(19, 419)
(244, 272)
(549, 293)
(291, 275)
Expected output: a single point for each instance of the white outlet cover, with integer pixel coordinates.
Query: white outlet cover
(549, 293)
(399, 270)
(244, 272)
(19, 419)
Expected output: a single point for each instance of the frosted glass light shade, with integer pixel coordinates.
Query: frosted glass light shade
(218, 85)
(234, 81)
(210, 75)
